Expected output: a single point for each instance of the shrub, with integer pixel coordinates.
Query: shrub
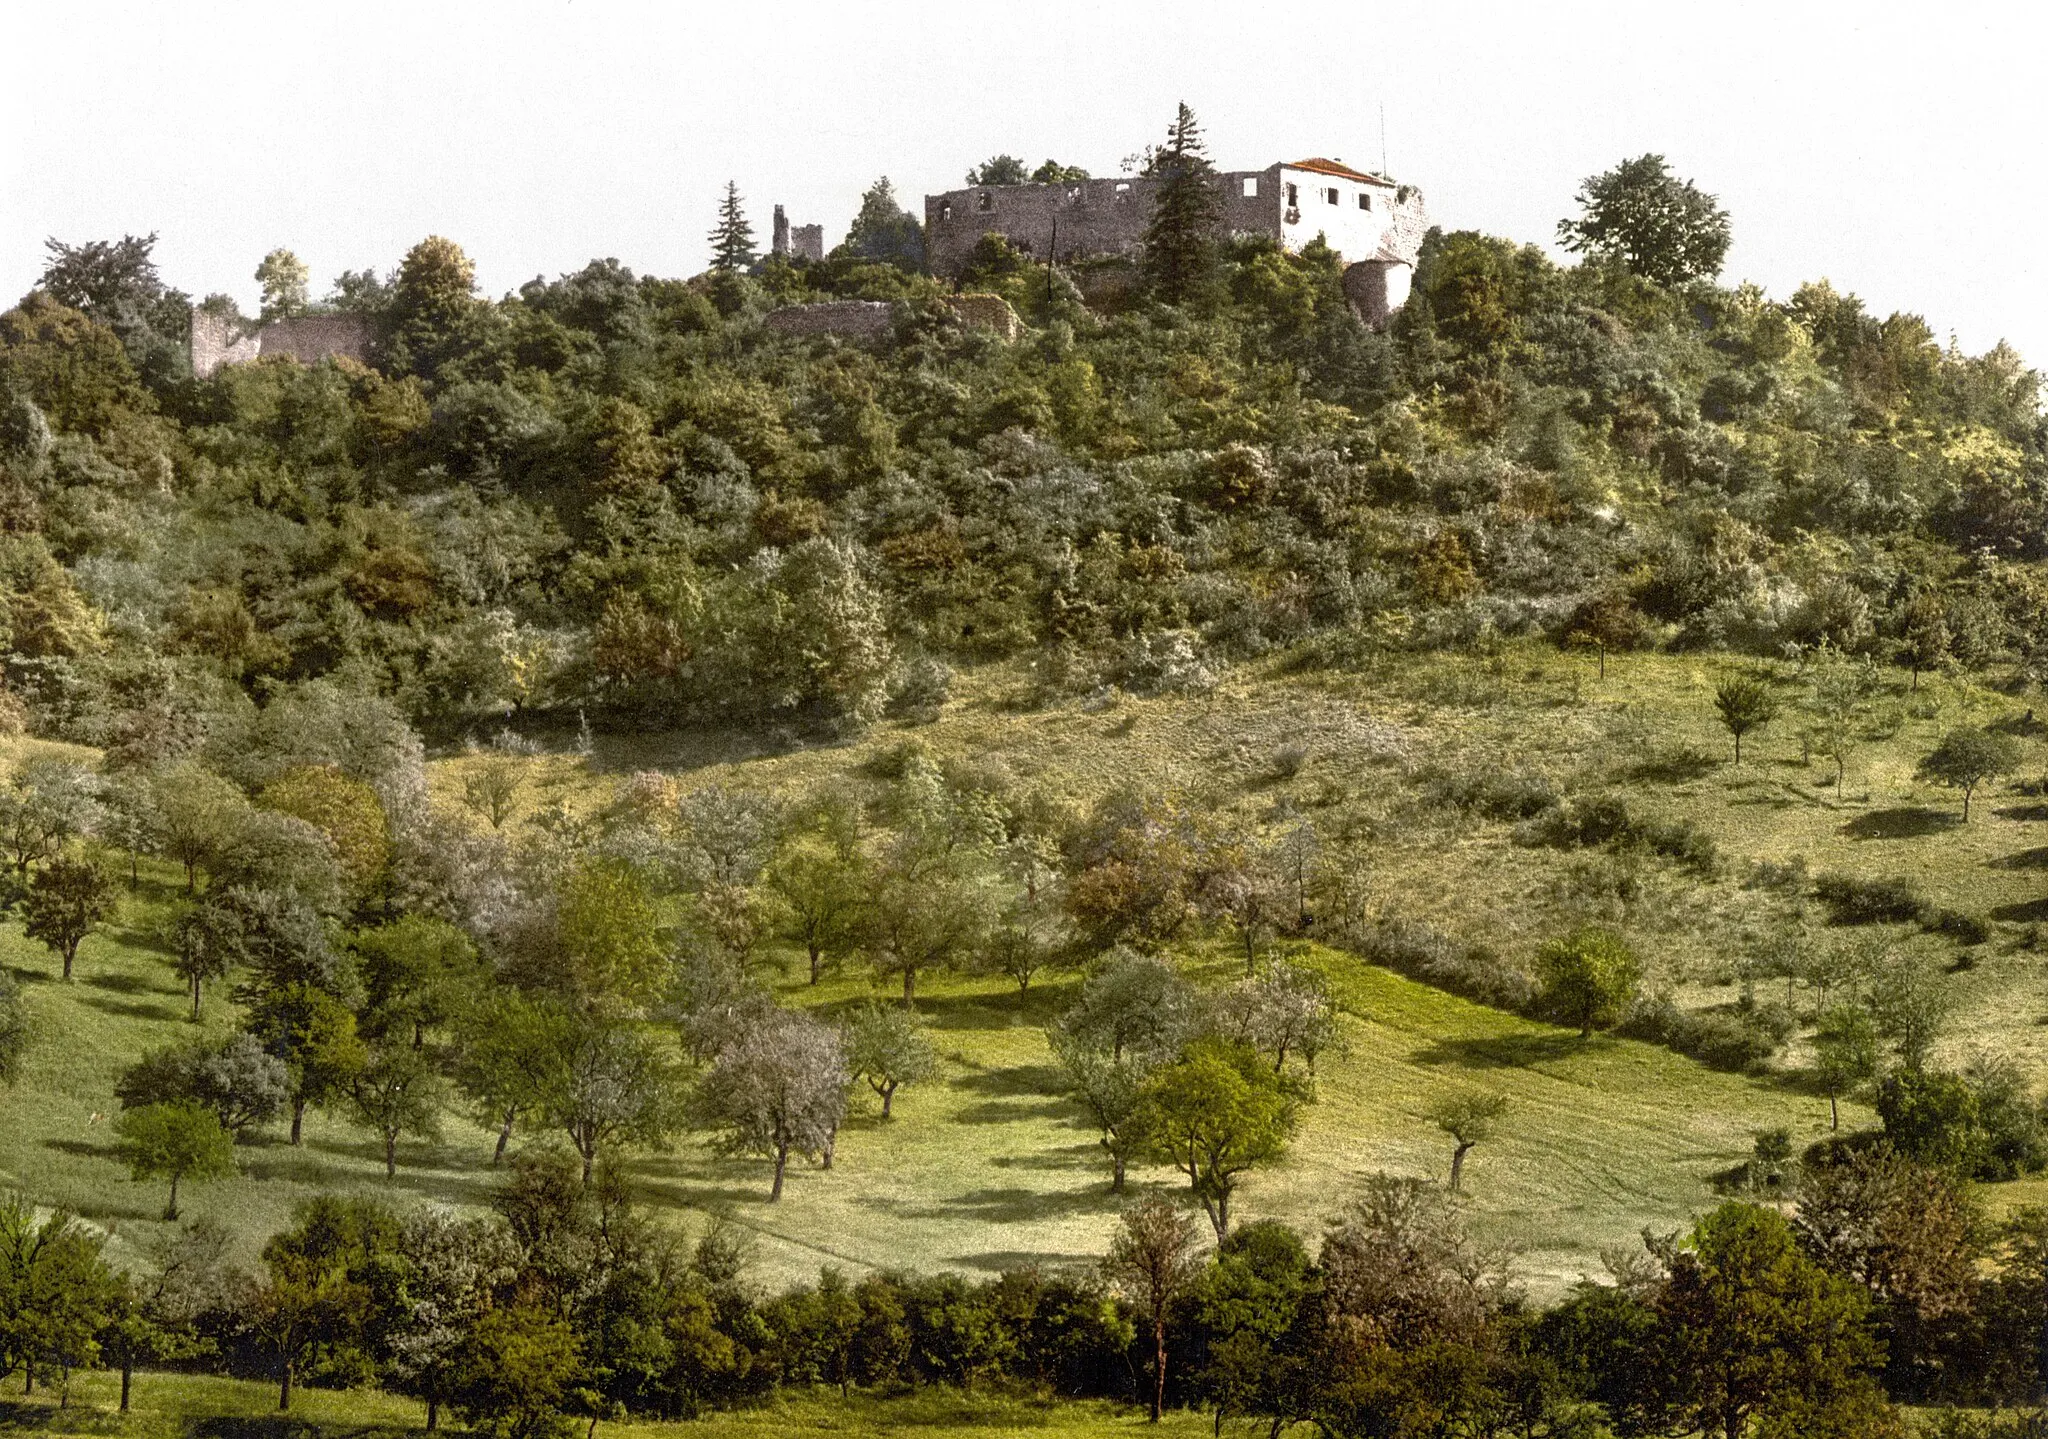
(1724, 1039)
(1869, 901)
(1496, 794)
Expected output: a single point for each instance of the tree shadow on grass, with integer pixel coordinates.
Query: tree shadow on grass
(998, 1261)
(1906, 822)
(285, 1426)
(998, 1111)
(2032, 911)
(1678, 766)
(984, 1011)
(1032, 1079)
(2023, 812)
(1508, 1051)
(2035, 858)
(129, 1010)
(1073, 1156)
(79, 1149)
(128, 984)
(1013, 1205)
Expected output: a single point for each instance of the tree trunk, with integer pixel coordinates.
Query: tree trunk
(1458, 1167)
(127, 1382)
(284, 1389)
(1116, 1183)
(298, 1118)
(1834, 1112)
(1603, 662)
(888, 1098)
(817, 963)
(1738, 746)
(781, 1163)
(195, 999)
(72, 953)
(171, 1209)
(504, 1135)
(1158, 1366)
(1251, 952)
(434, 1407)
(589, 1158)
(831, 1144)
(909, 985)
(1966, 820)
(390, 1155)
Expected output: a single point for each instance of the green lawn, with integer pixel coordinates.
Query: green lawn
(173, 1406)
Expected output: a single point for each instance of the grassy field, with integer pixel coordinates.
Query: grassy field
(987, 1166)
(174, 1406)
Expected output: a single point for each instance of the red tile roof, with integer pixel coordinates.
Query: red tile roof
(1342, 172)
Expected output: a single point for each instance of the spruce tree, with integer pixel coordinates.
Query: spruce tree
(1180, 240)
(732, 239)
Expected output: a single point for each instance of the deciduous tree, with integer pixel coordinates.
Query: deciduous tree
(1660, 227)
(176, 1141)
(1154, 1260)
(66, 901)
(1214, 1115)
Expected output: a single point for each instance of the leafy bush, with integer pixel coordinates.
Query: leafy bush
(1731, 1040)
(1495, 793)
(1851, 900)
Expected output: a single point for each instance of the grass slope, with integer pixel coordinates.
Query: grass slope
(987, 1165)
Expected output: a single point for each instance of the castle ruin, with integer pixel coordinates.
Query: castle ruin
(800, 242)
(218, 340)
(1375, 224)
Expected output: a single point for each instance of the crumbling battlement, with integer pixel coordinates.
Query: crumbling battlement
(797, 242)
(309, 339)
(856, 319)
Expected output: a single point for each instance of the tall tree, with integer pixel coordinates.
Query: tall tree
(883, 230)
(732, 238)
(780, 1088)
(1180, 238)
(177, 1141)
(284, 278)
(1658, 226)
(394, 1093)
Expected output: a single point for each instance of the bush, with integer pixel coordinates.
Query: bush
(1583, 823)
(1496, 794)
(1724, 1039)
(1869, 901)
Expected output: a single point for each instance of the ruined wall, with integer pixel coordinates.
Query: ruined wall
(1377, 288)
(308, 339)
(1084, 217)
(807, 242)
(856, 319)
(218, 341)
(986, 312)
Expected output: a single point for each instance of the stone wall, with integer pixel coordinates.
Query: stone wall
(855, 319)
(986, 312)
(807, 242)
(308, 339)
(1085, 217)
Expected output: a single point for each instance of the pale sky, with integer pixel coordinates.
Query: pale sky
(1891, 150)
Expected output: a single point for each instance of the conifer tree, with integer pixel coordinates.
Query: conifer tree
(732, 238)
(1180, 240)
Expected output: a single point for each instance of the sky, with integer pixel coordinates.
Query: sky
(1894, 152)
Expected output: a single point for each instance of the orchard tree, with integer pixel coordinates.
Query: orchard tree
(457, 1269)
(1659, 227)
(491, 787)
(176, 1141)
(196, 811)
(206, 942)
(1468, 1119)
(1845, 1054)
(1966, 758)
(1589, 977)
(66, 901)
(610, 924)
(1180, 237)
(1925, 640)
(606, 1083)
(43, 807)
(514, 1374)
(1107, 1087)
(314, 1033)
(235, 1077)
(506, 1044)
(777, 1089)
(344, 809)
(885, 1047)
(1154, 1261)
(820, 885)
(394, 1093)
(1214, 1115)
(1744, 703)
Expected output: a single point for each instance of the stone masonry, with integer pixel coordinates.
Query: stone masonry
(308, 339)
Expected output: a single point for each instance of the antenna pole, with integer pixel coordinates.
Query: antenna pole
(1383, 140)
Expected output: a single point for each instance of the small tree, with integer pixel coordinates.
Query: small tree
(1106, 1086)
(490, 789)
(1925, 642)
(1605, 621)
(284, 278)
(66, 901)
(821, 886)
(1153, 1259)
(1588, 978)
(206, 942)
(777, 1089)
(885, 1047)
(1845, 1054)
(1660, 227)
(1745, 703)
(1469, 1120)
(513, 1374)
(1966, 758)
(177, 1141)
(396, 1093)
(1214, 1115)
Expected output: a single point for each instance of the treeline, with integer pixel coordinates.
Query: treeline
(621, 495)
(568, 1301)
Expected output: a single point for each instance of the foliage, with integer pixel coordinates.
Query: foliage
(1213, 1115)
(1588, 977)
(178, 1140)
(67, 900)
(1660, 227)
(1966, 758)
(886, 1048)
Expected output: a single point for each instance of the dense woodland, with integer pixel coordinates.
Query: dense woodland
(612, 502)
